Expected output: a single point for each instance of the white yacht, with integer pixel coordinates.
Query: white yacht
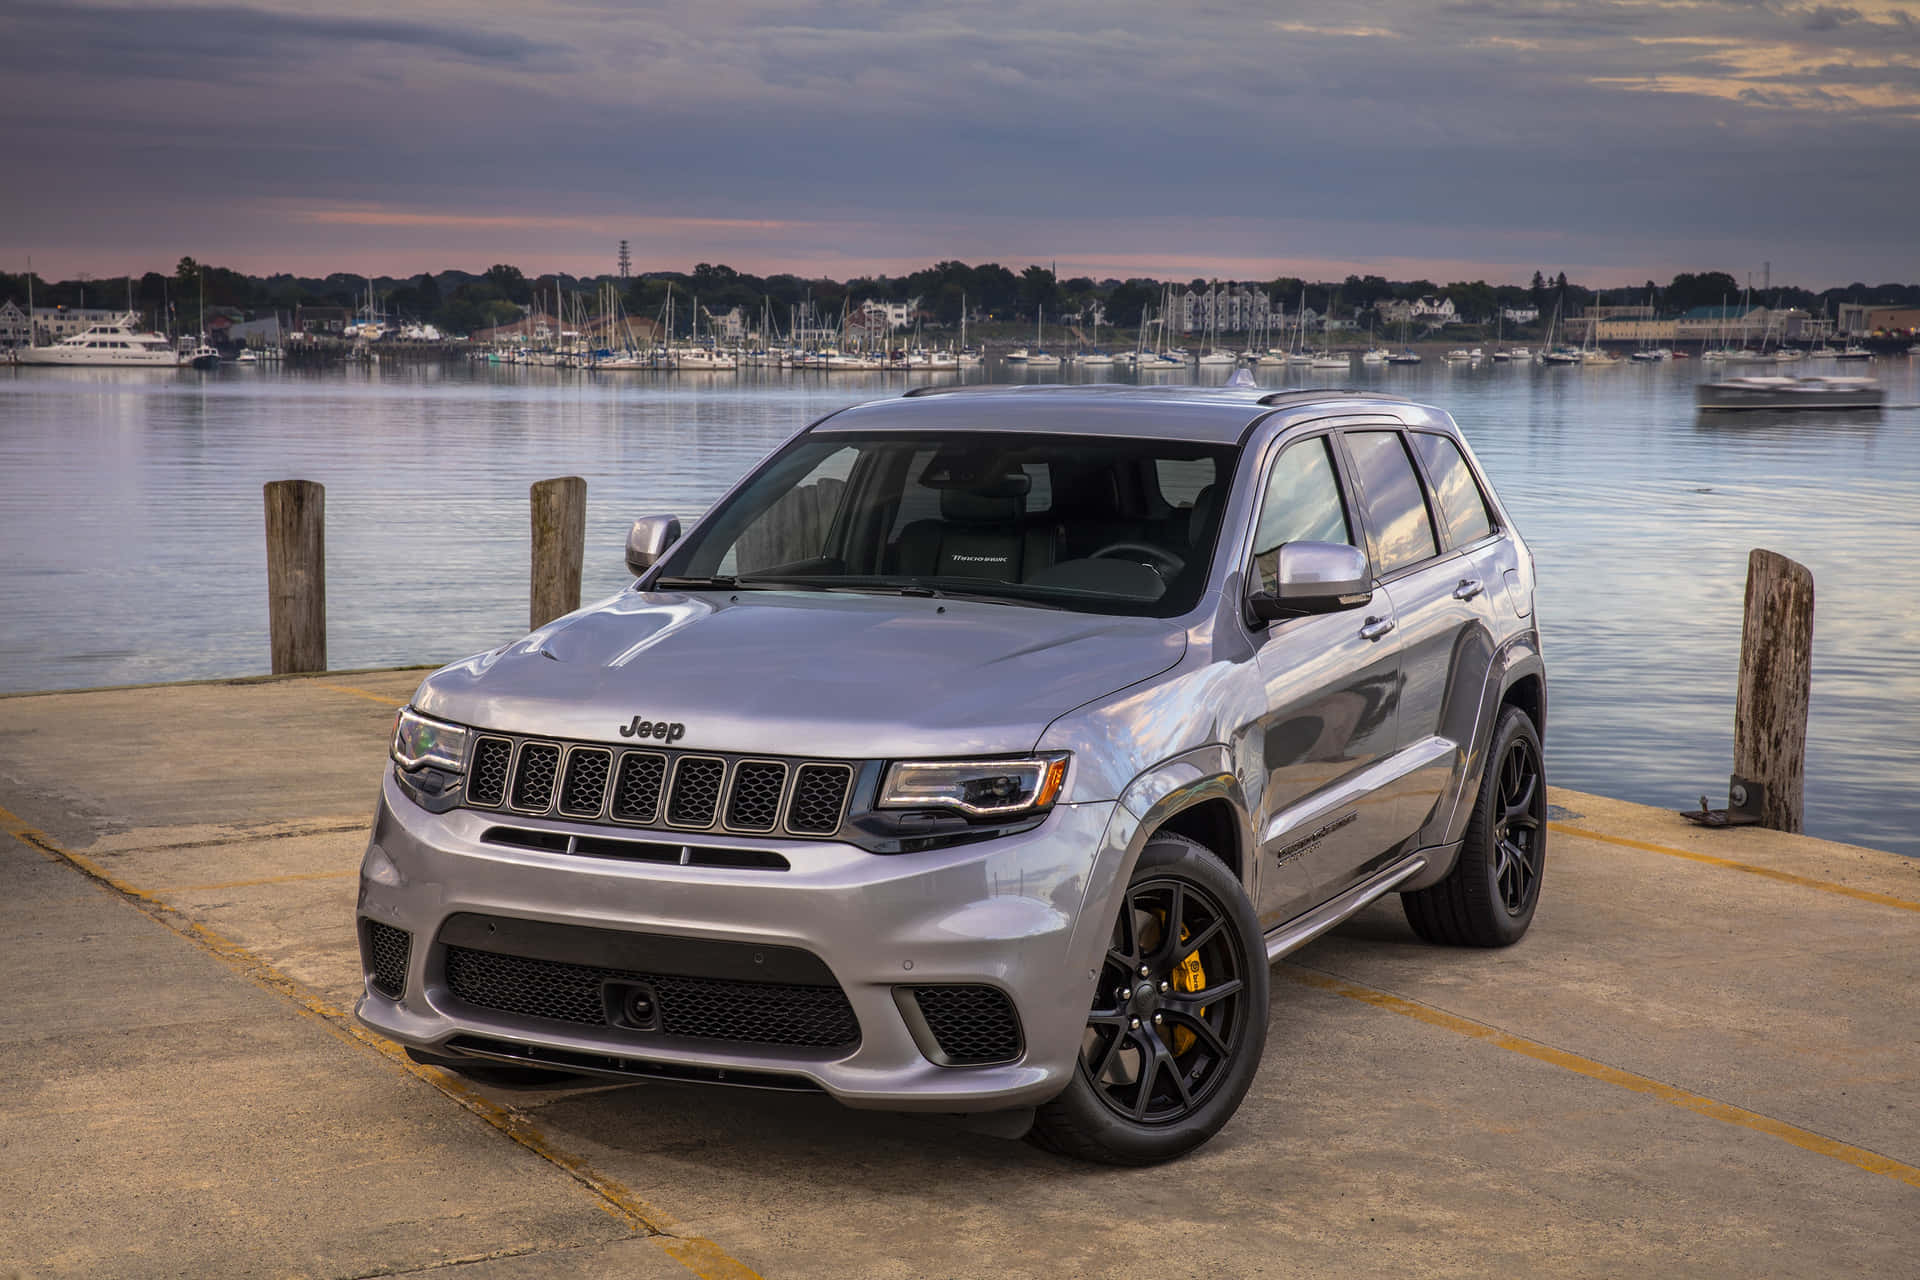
(117, 345)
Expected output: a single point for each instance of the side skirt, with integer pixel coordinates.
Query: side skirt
(1304, 928)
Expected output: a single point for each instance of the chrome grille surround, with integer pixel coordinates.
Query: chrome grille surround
(819, 802)
(488, 772)
(583, 783)
(693, 794)
(753, 801)
(536, 774)
(659, 789)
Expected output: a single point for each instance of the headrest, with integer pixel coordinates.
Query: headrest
(1206, 505)
(967, 506)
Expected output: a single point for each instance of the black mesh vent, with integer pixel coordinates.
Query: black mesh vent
(696, 791)
(586, 782)
(636, 789)
(534, 774)
(974, 1026)
(761, 1012)
(487, 780)
(819, 792)
(754, 803)
(712, 1008)
(387, 950)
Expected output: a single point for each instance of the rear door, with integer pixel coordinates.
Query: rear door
(1470, 529)
(1441, 618)
(1331, 696)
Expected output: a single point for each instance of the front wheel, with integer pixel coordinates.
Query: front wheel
(1179, 1016)
(1489, 897)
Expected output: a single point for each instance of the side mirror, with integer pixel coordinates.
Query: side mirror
(649, 539)
(1314, 577)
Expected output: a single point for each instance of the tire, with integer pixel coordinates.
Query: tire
(1489, 897)
(1160, 1071)
(498, 1075)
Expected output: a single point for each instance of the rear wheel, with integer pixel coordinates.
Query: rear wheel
(1179, 1016)
(1489, 897)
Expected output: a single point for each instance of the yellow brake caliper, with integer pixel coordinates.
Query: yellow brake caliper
(1188, 976)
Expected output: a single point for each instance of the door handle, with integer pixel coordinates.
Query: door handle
(1374, 628)
(1468, 589)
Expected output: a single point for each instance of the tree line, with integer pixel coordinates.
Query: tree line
(462, 302)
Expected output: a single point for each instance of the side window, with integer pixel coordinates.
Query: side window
(1301, 504)
(1462, 505)
(1396, 506)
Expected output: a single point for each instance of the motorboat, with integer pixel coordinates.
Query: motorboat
(116, 346)
(1780, 391)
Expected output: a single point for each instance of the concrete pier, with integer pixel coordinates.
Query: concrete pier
(1704, 1060)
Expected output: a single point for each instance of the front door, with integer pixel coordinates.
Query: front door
(1331, 699)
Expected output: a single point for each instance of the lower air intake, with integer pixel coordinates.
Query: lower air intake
(974, 1026)
(815, 1017)
(387, 949)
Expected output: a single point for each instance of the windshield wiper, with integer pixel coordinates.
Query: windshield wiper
(731, 582)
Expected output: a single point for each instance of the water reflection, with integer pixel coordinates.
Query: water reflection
(130, 512)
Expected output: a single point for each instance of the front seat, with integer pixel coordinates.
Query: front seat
(977, 536)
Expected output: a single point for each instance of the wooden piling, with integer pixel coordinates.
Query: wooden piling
(297, 575)
(1776, 678)
(559, 543)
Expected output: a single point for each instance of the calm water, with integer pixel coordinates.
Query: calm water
(130, 517)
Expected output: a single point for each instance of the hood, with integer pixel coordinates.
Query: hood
(846, 676)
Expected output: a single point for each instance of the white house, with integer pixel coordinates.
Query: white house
(895, 315)
(1520, 315)
(1433, 310)
(13, 326)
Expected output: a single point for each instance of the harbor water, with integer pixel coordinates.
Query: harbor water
(132, 529)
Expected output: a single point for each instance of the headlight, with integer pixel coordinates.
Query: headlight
(418, 741)
(977, 788)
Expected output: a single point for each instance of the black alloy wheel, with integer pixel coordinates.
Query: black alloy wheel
(1134, 1052)
(1489, 897)
(1178, 1016)
(1520, 825)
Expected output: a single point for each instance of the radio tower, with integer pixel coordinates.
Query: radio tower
(626, 261)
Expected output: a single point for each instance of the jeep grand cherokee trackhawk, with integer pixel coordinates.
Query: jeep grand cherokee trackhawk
(978, 752)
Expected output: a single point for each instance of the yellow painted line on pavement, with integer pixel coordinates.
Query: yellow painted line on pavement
(368, 694)
(697, 1254)
(293, 878)
(1752, 869)
(1806, 1139)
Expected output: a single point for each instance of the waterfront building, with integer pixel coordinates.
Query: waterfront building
(889, 315)
(1231, 308)
(14, 329)
(1520, 315)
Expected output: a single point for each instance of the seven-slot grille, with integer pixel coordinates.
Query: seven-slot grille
(643, 787)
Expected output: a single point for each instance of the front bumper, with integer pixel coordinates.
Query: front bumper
(1001, 913)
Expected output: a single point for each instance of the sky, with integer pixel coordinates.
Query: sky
(1616, 140)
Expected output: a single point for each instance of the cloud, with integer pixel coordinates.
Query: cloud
(1111, 131)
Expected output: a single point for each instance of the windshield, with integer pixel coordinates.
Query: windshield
(1074, 522)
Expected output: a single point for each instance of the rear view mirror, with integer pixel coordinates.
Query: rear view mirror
(649, 539)
(1314, 577)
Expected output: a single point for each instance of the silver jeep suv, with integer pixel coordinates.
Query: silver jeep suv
(978, 752)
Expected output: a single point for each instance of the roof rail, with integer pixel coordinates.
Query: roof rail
(1320, 393)
(914, 392)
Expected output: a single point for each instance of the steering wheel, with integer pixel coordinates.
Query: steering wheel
(1158, 559)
